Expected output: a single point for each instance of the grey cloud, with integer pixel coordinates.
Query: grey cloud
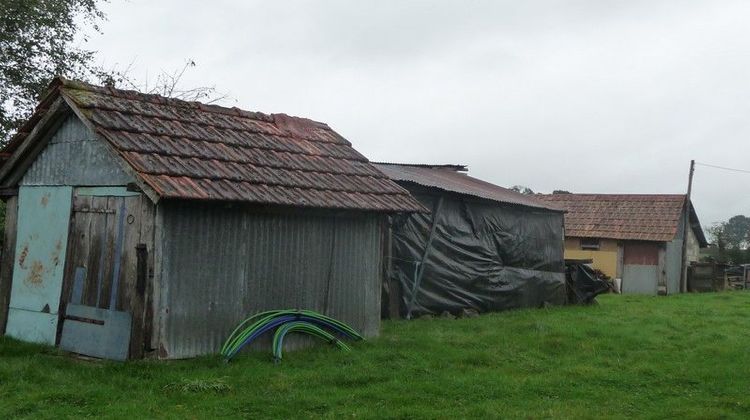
(590, 96)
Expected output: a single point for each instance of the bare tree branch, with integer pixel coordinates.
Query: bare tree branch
(167, 84)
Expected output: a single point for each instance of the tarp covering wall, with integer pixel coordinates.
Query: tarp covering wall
(483, 255)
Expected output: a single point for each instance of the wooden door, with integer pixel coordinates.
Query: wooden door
(108, 227)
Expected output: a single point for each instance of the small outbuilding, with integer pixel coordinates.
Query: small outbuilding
(642, 239)
(482, 247)
(138, 224)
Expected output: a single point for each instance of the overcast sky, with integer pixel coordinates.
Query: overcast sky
(586, 96)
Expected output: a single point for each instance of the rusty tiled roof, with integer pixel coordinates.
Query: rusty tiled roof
(646, 217)
(189, 150)
(454, 179)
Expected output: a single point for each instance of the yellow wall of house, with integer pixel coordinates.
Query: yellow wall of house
(605, 258)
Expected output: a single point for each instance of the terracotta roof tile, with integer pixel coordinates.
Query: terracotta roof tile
(647, 217)
(189, 150)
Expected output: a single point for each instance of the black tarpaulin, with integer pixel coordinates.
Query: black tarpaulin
(483, 255)
(583, 284)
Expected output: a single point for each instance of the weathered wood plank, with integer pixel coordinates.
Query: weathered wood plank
(159, 262)
(75, 241)
(130, 300)
(147, 238)
(110, 203)
(8, 258)
(96, 261)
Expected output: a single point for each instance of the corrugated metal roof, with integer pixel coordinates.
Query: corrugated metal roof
(189, 150)
(645, 217)
(452, 178)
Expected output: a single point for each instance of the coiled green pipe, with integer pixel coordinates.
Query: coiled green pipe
(255, 326)
(303, 327)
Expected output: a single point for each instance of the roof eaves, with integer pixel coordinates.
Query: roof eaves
(45, 119)
(695, 224)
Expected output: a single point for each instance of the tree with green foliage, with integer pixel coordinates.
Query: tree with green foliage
(732, 240)
(37, 43)
(522, 189)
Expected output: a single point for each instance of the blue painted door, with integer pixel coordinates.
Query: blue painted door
(43, 221)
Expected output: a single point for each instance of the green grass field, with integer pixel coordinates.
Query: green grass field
(685, 356)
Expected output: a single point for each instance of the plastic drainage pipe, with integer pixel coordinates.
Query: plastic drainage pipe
(302, 327)
(255, 326)
(240, 331)
(258, 331)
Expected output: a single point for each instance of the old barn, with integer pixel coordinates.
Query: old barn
(482, 247)
(138, 224)
(641, 239)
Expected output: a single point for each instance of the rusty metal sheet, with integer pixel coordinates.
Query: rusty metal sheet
(454, 179)
(43, 218)
(641, 253)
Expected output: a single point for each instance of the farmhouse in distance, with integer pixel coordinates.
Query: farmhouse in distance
(636, 237)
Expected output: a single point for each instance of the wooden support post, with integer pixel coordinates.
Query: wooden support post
(686, 226)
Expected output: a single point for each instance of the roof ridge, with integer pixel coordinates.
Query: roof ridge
(455, 167)
(157, 99)
(613, 194)
(287, 134)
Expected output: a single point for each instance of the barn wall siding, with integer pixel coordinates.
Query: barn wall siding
(75, 157)
(221, 265)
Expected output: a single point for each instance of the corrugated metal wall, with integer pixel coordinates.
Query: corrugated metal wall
(221, 265)
(74, 157)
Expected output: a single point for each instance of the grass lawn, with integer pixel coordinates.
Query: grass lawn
(684, 356)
